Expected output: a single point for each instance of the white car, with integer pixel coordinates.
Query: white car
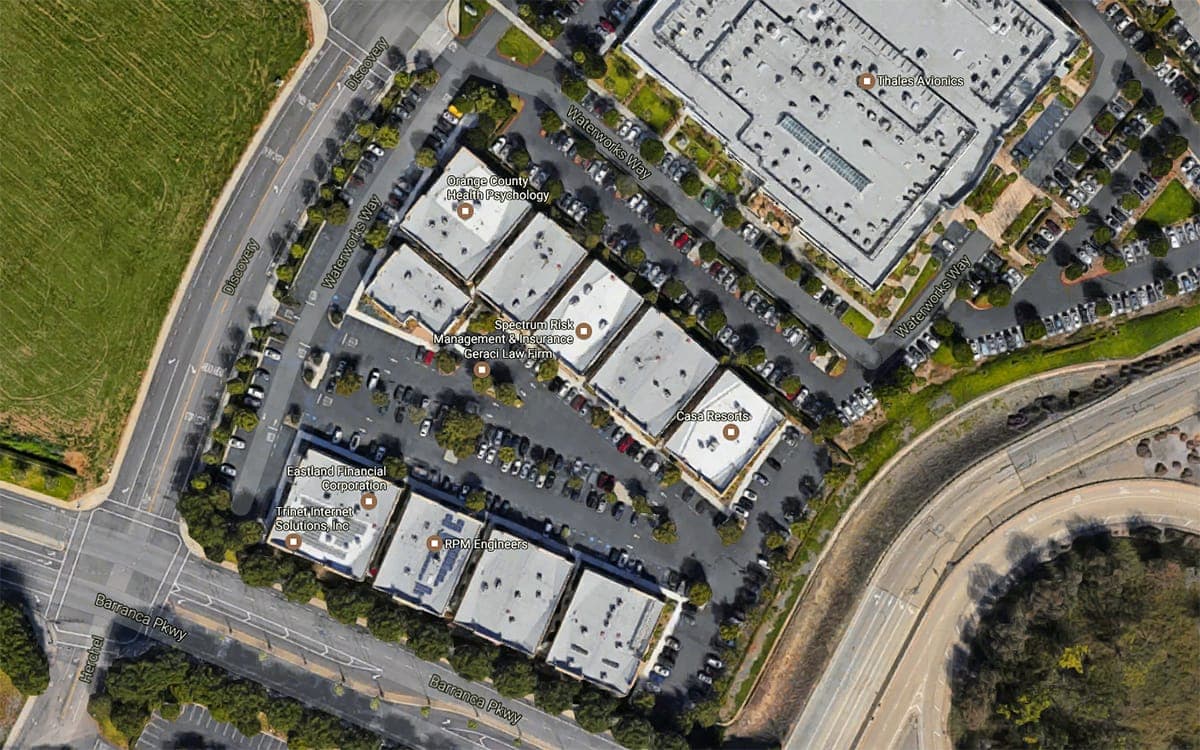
(255, 391)
(375, 148)
(498, 145)
(274, 354)
(237, 442)
(229, 470)
(373, 379)
(428, 423)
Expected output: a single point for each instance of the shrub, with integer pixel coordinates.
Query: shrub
(699, 593)
(21, 656)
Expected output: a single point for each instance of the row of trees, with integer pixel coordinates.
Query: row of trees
(163, 680)
(21, 655)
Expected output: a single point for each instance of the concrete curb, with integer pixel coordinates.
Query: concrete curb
(891, 463)
(318, 25)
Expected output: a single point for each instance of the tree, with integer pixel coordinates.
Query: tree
(245, 420)
(235, 387)
(745, 283)
(708, 251)
(595, 221)
(519, 159)
(943, 328)
(652, 150)
(574, 87)
(773, 254)
(699, 593)
(554, 694)
(426, 158)
(387, 620)
(477, 499)
(585, 148)
(1160, 166)
(634, 733)
(670, 475)
(365, 129)
(754, 356)
(1159, 247)
(600, 418)
(1105, 122)
(550, 120)
(961, 351)
(387, 137)
(1102, 175)
(1171, 287)
(594, 710)
(999, 295)
(666, 532)
(1073, 271)
(1175, 146)
(315, 214)
(547, 370)
(377, 235)
(1104, 308)
(664, 216)
(429, 640)
(21, 655)
(1155, 115)
(635, 256)
(964, 290)
(351, 151)
(590, 62)
(813, 285)
(732, 218)
(1077, 154)
(446, 362)
(730, 531)
(674, 289)
(729, 631)
(301, 586)
(691, 184)
(506, 393)
(348, 384)
(460, 432)
(394, 468)
(774, 540)
(346, 601)
(1130, 201)
(714, 321)
(790, 384)
(473, 660)
(1132, 90)
(1034, 330)
(338, 213)
(554, 190)
(513, 676)
(1153, 56)
(626, 184)
(245, 363)
(1114, 263)
(482, 385)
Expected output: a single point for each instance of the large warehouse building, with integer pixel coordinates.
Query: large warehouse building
(863, 168)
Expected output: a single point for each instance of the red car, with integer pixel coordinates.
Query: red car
(427, 360)
(607, 25)
(625, 443)
(681, 240)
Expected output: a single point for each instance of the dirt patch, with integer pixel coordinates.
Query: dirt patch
(805, 647)
(77, 461)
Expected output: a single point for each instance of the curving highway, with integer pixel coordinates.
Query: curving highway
(885, 685)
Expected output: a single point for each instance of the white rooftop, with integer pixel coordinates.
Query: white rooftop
(702, 445)
(653, 371)
(600, 298)
(533, 267)
(605, 632)
(350, 550)
(405, 287)
(410, 572)
(864, 171)
(514, 592)
(465, 244)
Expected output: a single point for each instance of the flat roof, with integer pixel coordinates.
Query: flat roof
(600, 298)
(464, 244)
(406, 288)
(514, 591)
(346, 534)
(653, 371)
(416, 575)
(605, 632)
(702, 444)
(532, 269)
(863, 170)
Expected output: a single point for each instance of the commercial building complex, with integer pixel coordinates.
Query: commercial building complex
(403, 294)
(602, 300)
(331, 507)
(606, 632)
(412, 571)
(514, 591)
(864, 164)
(532, 268)
(463, 232)
(703, 442)
(653, 371)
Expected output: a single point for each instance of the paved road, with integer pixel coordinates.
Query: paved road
(913, 570)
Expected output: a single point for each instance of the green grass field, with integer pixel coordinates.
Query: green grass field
(621, 76)
(927, 273)
(656, 107)
(518, 47)
(1173, 206)
(124, 122)
(857, 322)
(467, 23)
